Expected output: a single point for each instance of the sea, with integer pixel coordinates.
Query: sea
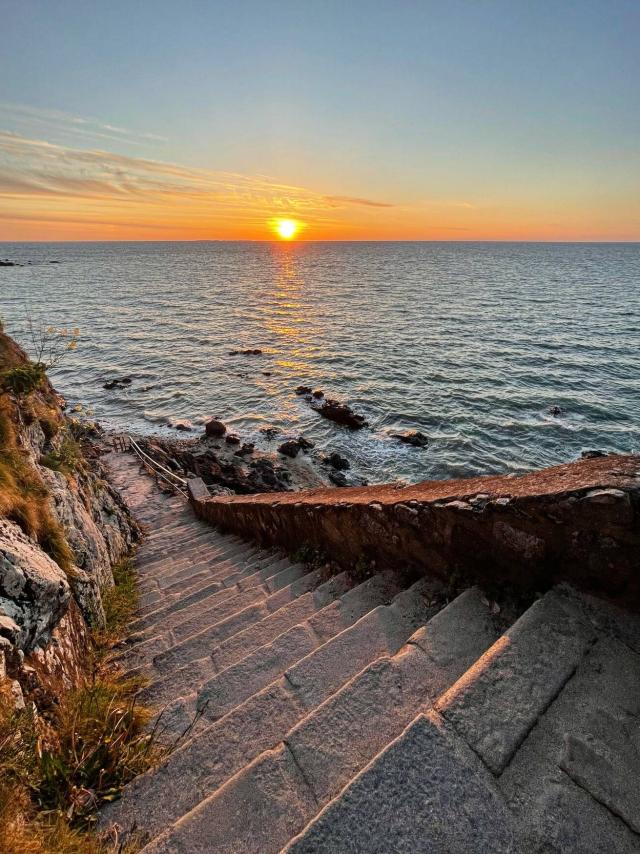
(506, 356)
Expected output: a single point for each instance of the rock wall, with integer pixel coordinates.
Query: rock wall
(44, 609)
(578, 522)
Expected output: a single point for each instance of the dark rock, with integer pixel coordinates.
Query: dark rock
(266, 373)
(590, 455)
(7, 263)
(337, 478)
(245, 450)
(303, 389)
(181, 425)
(414, 438)
(118, 383)
(290, 448)
(270, 432)
(232, 439)
(340, 413)
(336, 461)
(250, 352)
(556, 411)
(318, 394)
(215, 428)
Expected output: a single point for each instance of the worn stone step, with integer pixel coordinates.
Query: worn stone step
(348, 729)
(252, 573)
(175, 560)
(195, 609)
(336, 740)
(283, 605)
(497, 702)
(221, 750)
(427, 791)
(215, 605)
(202, 643)
(232, 685)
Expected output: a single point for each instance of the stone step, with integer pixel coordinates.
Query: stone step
(188, 616)
(287, 606)
(255, 572)
(426, 791)
(195, 608)
(331, 744)
(196, 646)
(497, 702)
(221, 750)
(513, 714)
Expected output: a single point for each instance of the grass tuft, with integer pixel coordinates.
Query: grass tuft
(119, 603)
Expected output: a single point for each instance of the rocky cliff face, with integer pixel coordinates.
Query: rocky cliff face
(62, 527)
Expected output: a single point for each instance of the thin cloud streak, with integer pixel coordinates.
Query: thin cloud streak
(61, 122)
(36, 173)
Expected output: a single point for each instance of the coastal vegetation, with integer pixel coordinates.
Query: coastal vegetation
(63, 753)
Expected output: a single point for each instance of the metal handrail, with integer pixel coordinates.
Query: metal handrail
(165, 474)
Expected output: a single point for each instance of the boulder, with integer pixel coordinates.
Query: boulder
(215, 428)
(34, 591)
(290, 448)
(337, 478)
(246, 449)
(336, 461)
(414, 438)
(232, 439)
(255, 351)
(340, 413)
(303, 390)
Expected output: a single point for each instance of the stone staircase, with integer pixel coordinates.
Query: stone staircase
(344, 715)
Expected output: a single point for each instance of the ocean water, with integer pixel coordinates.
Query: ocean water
(471, 343)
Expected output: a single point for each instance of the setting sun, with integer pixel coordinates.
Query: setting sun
(287, 228)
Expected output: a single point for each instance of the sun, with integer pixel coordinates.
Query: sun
(286, 228)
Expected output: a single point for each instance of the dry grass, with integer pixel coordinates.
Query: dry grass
(23, 496)
(58, 767)
(55, 772)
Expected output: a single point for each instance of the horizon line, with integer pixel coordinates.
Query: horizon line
(358, 240)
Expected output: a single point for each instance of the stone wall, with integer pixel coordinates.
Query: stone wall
(578, 522)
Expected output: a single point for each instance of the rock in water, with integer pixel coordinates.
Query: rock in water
(290, 448)
(340, 413)
(414, 438)
(336, 461)
(215, 428)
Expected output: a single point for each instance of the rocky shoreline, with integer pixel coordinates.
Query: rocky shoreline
(229, 465)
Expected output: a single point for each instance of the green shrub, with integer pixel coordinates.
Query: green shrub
(23, 379)
(66, 458)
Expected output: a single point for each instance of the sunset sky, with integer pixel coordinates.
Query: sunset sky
(360, 120)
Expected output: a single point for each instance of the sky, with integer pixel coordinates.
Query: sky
(360, 120)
